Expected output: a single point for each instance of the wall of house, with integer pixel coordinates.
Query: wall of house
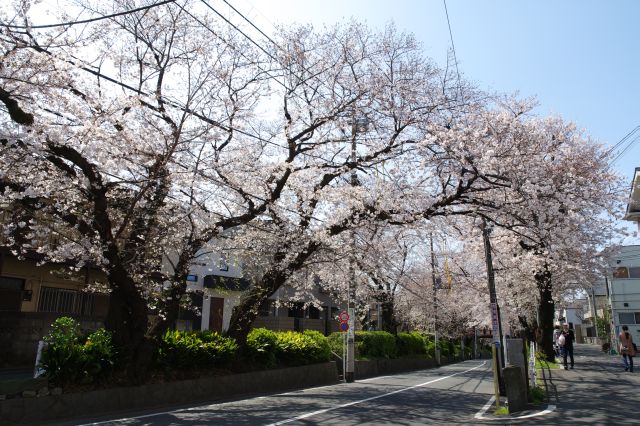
(625, 292)
(22, 328)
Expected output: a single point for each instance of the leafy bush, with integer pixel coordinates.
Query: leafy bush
(412, 343)
(99, 355)
(537, 395)
(62, 354)
(195, 349)
(262, 346)
(68, 357)
(376, 344)
(301, 348)
(430, 347)
(324, 351)
(444, 347)
(336, 342)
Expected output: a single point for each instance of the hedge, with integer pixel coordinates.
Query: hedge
(195, 349)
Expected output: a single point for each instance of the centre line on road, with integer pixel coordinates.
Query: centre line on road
(326, 410)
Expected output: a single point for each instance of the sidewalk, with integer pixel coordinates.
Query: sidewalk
(598, 391)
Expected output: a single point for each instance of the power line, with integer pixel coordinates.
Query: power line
(625, 149)
(86, 21)
(621, 141)
(453, 47)
(240, 31)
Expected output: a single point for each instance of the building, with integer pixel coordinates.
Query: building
(33, 295)
(633, 206)
(624, 274)
(573, 313)
(596, 310)
(624, 290)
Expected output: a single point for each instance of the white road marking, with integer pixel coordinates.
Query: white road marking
(484, 409)
(480, 414)
(315, 413)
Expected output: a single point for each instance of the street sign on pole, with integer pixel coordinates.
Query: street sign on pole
(495, 326)
(344, 326)
(344, 316)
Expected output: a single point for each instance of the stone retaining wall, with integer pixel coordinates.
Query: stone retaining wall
(93, 403)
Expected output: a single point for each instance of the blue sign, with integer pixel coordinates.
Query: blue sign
(344, 326)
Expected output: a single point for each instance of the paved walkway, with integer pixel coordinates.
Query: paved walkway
(596, 392)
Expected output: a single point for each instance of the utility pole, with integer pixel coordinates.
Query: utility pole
(435, 301)
(356, 125)
(595, 311)
(498, 362)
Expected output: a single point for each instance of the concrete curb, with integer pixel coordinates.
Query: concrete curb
(77, 405)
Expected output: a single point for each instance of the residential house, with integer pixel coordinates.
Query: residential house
(624, 274)
(572, 313)
(596, 309)
(624, 290)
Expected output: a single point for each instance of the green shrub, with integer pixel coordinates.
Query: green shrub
(324, 351)
(537, 395)
(430, 347)
(301, 348)
(68, 357)
(99, 355)
(62, 354)
(195, 349)
(262, 346)
(376, 344)
(412, 343)
(457, 349)
(336, 342)
(444, 346)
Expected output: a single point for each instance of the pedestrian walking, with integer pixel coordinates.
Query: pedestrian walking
(567, 351)
(627, 348)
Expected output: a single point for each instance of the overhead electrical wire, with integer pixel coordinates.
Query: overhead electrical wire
(453, 48)
(86, 21)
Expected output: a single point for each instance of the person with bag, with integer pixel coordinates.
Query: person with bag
(567, 348)
(627, 348)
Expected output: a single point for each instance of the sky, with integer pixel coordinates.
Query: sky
(580, 59)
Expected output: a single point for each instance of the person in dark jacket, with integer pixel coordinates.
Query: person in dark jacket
(569, 338)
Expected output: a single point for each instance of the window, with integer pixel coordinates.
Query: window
(314, 313)
(634, 272)
(627, 317)
(620, 272)
(11, 293)
(637, 315)
(66, 301)
(224, 262)
(267, 309)
(296, 310)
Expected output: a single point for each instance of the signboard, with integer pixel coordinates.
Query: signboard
(494, 323)
(344, 317)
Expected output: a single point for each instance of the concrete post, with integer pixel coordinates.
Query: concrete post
(515, 388)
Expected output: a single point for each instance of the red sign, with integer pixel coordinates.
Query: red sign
(344, 326)
(344, 316)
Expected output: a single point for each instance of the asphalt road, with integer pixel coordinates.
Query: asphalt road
(448, 395)
(597, 392)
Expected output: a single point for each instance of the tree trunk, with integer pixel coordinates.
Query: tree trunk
(546, 310)
(389, 322)
(127, 319)
(246, 312)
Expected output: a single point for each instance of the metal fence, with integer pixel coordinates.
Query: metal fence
(66, 301)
